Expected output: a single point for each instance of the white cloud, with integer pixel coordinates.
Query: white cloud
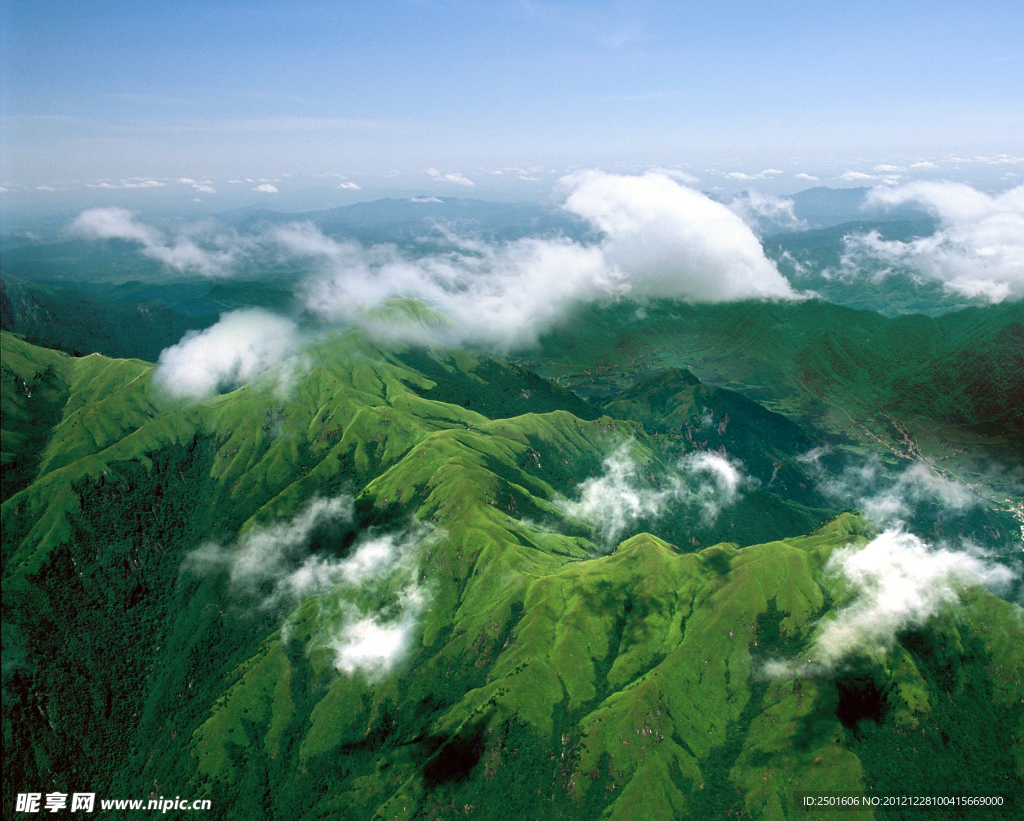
(369, 604)
(760, 211)
(893, 583)
(713, 482)
(673, 241)
(857, 176)
(924, 165)
(889, 500)
(660, 239)
(459, 179)
(455, 177)
(615, 501)
(109, 223)
(269, 553)
(504, 294)
(200, 248)
(978, 249)
(266, 188)
(349, 186)
(677, 174)
(761, 175)
(240, 347)
(376, 644)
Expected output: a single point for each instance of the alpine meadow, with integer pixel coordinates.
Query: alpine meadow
(437, 410)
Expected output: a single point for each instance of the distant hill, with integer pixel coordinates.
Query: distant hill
(415, 221)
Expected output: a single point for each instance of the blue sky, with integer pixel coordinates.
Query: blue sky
(236, 101)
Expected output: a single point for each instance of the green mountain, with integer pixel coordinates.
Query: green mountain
(396, 589)
(80, 321)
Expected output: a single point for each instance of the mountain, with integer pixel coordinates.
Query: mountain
(81, 321)
(418, 581)
(803, 357)
(412, 221)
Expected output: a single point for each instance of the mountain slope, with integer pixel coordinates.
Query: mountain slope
(365, 598)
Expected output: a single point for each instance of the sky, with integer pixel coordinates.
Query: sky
(280, 103)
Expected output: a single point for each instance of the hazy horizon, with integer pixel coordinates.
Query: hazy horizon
(301, 106)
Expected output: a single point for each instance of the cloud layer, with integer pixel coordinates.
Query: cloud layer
(978, 249)
(369, 603)
(673, 241)
(660, 238)
(894, 583)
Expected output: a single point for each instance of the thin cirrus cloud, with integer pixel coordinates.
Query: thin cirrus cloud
(977, 250)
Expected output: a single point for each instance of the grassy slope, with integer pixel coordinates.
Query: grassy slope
(547, 680)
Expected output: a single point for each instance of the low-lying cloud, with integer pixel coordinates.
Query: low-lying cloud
(765, 212)
(202, 248)
(618, 499)
(713, 483)
(977, 250)
(234, 351)
(369, 603)
(894, 583)
(614, 501)
(659, 238)
(890, 499)
(673, 241)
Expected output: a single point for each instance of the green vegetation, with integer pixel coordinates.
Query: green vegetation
(548, 674)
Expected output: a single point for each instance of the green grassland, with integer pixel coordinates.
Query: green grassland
(550, 675)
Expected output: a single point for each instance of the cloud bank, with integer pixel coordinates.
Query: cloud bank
(369, 603)
(977, 250)
(234, 351)
(894, 583)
